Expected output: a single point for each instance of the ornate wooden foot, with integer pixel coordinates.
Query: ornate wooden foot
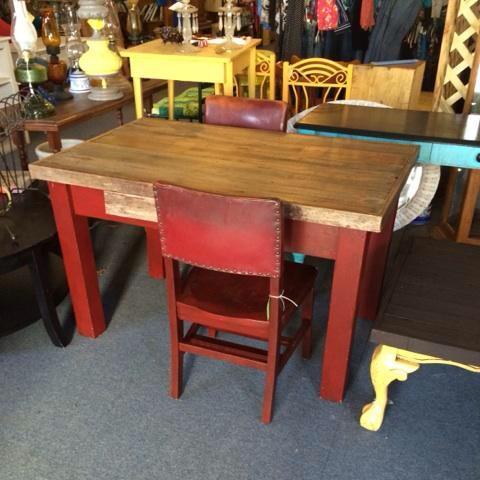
(384, 369)
(389, 364)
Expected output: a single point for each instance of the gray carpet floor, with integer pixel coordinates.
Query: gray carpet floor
(99, 409)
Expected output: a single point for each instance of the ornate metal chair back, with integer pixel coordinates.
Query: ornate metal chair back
(313, 81)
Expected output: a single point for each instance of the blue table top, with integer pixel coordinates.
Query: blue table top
(406, 125)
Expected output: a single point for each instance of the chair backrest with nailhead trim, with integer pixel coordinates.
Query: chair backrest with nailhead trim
(226, 233)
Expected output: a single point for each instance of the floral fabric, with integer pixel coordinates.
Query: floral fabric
(327, 14)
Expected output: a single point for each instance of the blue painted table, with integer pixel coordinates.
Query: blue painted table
(444, 139)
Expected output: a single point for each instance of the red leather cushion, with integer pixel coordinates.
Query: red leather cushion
(241, 296)
(231, 234)
(246, 112)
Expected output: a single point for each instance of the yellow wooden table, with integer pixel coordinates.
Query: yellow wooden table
(165, 62)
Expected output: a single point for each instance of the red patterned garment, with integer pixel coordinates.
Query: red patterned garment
(327, 14)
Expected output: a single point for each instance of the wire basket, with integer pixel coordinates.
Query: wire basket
(14, 175)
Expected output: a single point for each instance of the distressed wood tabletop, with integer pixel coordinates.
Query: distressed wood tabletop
(331, 181)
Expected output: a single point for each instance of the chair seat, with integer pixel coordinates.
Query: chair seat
(209, 292)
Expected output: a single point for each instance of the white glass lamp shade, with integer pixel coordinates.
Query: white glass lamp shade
(23, 32)
(91, 9)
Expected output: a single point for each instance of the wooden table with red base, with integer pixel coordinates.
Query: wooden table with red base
(339, 197)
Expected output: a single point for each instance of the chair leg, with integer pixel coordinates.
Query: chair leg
(46, 304)
(176, 358)
(270, 381)
(211, 332)
(307, 314)
(176, 373)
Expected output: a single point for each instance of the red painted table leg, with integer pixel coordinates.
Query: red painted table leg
(374, 270)
(154, 253)
(347, 273)
(74, 236)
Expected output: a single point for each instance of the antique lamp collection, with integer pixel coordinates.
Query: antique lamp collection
(94, 64)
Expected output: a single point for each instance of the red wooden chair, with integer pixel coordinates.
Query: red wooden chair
(237, 282)
(246, 112)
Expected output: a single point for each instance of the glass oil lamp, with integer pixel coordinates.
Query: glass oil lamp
(134, 23)
(57, 69)
(229, 19)
(187, 17)
(112, 29)
(99, 62)
(27, 70)
(74, 47)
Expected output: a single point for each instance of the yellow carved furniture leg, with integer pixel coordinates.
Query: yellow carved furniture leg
(429, 314)
(389, 364)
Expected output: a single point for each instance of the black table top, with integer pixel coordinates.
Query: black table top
(394, 123)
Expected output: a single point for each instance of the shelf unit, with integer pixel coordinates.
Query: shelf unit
(8, 85)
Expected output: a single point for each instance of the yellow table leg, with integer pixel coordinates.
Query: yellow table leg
(251, 73)
(138, 96)
(228, 86)
(218, 89)
(389, 364)
(384, 369)
(171, 99)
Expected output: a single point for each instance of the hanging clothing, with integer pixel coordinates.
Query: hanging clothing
(359, 35)
(394, 21)
(367, 14)
(263, 9)
(334, 45)
(272, 10)
(343, 19)
(293, 32)
(327, 14)
(437, 6)
(281, 16)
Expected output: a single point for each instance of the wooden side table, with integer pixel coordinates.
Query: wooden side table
(164, 61)
(81, 108)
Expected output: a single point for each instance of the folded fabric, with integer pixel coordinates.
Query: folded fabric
(185, 104)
